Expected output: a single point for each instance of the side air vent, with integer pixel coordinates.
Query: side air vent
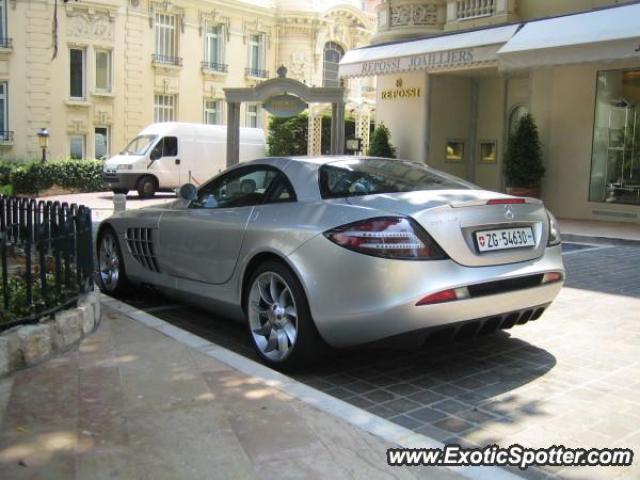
(140, 244)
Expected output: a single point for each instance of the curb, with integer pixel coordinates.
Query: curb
(571, 237)
(358, 417)
(28, 345)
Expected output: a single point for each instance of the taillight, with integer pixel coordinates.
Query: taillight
(552, 277)
(445, 296)
(554, 231)
(387, 237)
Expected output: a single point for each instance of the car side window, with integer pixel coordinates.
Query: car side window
(281, 191)
(239, 188)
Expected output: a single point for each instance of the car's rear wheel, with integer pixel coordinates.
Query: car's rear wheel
(147, 187)
(112, 278)
(280, 324)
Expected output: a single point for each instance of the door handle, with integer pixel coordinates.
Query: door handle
(177, 161)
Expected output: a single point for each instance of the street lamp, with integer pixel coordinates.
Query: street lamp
(43, 140)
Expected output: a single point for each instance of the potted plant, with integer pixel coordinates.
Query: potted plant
(523, 166)
(380, 145)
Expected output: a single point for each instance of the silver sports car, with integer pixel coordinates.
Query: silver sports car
(340, 251)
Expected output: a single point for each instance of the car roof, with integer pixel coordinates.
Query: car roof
(318, 159)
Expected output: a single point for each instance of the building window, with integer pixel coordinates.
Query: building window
(3, 22)
(253, 115)
(76, 147)
(615, 161)
(333, 53)
(213, 112)
(166, 48)
(164, 108)
(454, 151)
(76, 73)
(101, 142)
(4, 109)
(257, 53)
(214, 46)
(103, 70)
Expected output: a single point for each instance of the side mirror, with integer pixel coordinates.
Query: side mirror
(155, 154)
(188, 192)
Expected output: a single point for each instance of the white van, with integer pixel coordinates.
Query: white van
(166, 155)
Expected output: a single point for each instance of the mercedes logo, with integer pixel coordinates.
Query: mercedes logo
(508, 212)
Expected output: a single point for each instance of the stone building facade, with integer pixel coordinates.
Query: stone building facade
(96, 72)
(476, 66)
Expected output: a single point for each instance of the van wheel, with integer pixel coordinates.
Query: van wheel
(147, 187)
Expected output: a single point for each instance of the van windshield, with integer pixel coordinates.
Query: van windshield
(139, 145)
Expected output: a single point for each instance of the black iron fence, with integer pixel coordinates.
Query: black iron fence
(46, 256)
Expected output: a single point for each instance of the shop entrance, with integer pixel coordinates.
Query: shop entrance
(467, 125)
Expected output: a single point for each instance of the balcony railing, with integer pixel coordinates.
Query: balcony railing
(466, 9)
(256, 72)
(6, 137)
(215, 67)
(6, 42)
(167, 60)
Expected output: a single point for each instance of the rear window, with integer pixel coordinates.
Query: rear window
(349, 178)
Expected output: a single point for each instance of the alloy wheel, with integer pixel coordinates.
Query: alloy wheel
(109, 262)
(273, 316)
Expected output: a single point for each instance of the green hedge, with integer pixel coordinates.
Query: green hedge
(35, 177)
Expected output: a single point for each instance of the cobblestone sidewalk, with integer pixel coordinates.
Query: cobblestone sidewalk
(133, 403)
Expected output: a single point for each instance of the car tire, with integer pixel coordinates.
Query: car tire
(111, 275)
(120, 191)
(282, 331)
(147, 187)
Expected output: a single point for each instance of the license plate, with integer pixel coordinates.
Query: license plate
(505, 238)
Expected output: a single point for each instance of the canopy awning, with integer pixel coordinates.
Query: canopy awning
(606, 34)
(445, 52)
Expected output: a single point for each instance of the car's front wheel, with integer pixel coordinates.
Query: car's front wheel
(280, 324)
(112, 278)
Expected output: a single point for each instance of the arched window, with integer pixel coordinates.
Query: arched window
(332, 55)
(515, 116)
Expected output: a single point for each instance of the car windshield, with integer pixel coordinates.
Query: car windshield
(369, 176)
(139, 145)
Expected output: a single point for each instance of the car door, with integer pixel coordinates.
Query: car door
(165, 162)
(202, 241)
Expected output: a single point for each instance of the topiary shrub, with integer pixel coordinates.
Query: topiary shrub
(380, 145)
(523, 166)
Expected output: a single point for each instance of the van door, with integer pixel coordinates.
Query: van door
(164, 162)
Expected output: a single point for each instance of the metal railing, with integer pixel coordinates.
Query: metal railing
(6, 136)
(6, 42)
(167, 59)
(474, 8)
(46, 256)
(256, 72)
(215, 67)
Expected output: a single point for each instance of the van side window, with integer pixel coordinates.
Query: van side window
(170, 147)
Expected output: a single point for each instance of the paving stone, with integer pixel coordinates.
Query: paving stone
(450, 406)
(427, 414)
(379, 396)
(401, 405)
(453, 425)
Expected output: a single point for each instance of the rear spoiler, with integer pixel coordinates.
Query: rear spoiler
(497, 201)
